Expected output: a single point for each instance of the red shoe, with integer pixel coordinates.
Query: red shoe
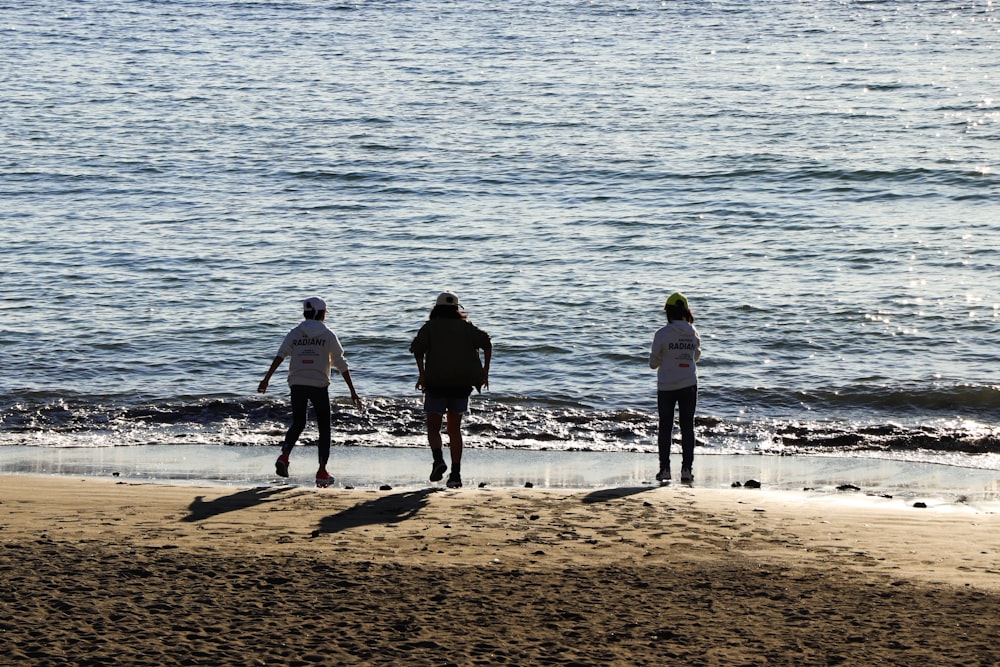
(323, 479)
(281, 466)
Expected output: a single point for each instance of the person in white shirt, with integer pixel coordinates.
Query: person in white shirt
(674, 355)
(314, 350)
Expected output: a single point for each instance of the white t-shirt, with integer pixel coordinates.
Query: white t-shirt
(313, 349)
(674, 354)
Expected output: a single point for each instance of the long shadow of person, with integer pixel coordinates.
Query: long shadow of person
(387, 509)
(605, 495)
(199, 509)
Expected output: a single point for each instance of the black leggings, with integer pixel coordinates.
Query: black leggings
(686, 400)
(302, 396)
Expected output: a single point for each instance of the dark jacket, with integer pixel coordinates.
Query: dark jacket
(450, 348)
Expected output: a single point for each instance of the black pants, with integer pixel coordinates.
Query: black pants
(686, 400)
(302, 396)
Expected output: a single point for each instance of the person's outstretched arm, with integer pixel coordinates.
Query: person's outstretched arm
(354, 394)
(262, 387)
(487, 357)
(420, 370)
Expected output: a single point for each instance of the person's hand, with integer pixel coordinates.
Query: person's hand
(420, 382)
(357, 403)
(262, 387)
(486, 379)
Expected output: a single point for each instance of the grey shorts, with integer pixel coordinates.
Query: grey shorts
(435, 404)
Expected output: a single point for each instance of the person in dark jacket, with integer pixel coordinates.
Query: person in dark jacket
(447, 353)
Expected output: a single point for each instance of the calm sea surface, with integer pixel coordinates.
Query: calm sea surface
(820, 178)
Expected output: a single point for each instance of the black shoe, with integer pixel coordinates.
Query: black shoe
(437, 472)
(663, 475)
(686, 475)
(454, 481)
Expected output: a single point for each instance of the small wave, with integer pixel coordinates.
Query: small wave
(912, 401)
(348, 176)
(512, 423)
(889, 437)
(958, 398)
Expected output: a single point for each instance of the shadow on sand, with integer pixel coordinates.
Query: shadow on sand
(387, 509)
(241, 500)
(604, 495)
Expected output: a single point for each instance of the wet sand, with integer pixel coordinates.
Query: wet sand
(102, 572)
(407, 468)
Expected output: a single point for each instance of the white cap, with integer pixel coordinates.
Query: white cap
(314, 303)
(448, 299)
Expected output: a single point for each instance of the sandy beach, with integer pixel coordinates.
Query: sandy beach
(98, 572)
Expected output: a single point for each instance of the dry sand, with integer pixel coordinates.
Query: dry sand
(94, 572)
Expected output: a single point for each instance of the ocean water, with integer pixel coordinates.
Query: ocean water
(820, 179)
